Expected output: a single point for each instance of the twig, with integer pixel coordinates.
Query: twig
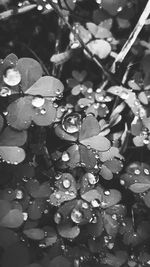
(133, 36)
(109, 75)
(6, 14)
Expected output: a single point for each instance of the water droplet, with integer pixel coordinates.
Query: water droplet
(57, 217)
(85, 205)
(95, 203)
(114, 217)
(119, 9)
(48, 6)
(19, 194)
(58, 176)
(5, 91)
(146, 141)
(137, 172)
(5, 113)
(66, 183)
(43, 111)
(110, 245)
(94, 219)
(76, 263)
(57, 195)
(107, 193)
(39, 7)
(91, 178)
(71, 123)
(12, 77)
(65, 156)
(146, 171)
(38, 102)
(96, 105)
(122, 182)
(25, 216)
(76, 216)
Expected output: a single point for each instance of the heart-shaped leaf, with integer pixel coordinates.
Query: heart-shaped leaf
(46, 86)
(5, 207)
(113, 6)
(97, 142)
(12, 154)
(36, 209)
(110, 198)
(11, 137)
(13, 219)
(106, 173)
(30, 71)
(38, 191)
(34, 233)
(46, 115)
(100, 48)
(139, 187)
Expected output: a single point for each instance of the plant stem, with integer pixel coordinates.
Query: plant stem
(133, 36)
(8, 13)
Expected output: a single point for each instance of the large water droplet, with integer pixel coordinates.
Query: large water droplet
(38, 102)
(5, 91)
(146, 171)
(71, 123)
(124, 95)
(76, 216)
(107, 193)
(65, 156)
(95, 203)
(91, 178)
(12, 77)
(66, 183)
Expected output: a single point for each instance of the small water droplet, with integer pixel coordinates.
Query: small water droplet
(39, 7)
(5, 91)
(5, 113)
(95, 203)
(114, 217)
(124, 95)
(119, 9)
(91, 178)
(43, 111)
(107, 193)
(146, 171)
(71, 123)
(25, 216)
(58, 176)
(38, 102)
(66, 183)
(122, 182)
(146, 141)
(137, 172)
(57, 195)
(12, 77)
(48, 6)
(19, 194)
(76, 216)
(85, 205)
(57, 217)
(65, 156)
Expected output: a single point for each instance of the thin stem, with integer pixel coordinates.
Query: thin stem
(109, 75)
(36, 56)
(8, 13)
(133, 36)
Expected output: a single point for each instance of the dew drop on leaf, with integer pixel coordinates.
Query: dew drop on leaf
(146, 171)
(19, 194)
(91, 178)
(5, 91)
(71, 123)
(57, 218)
(137, 172)
(65, 156)
(12, 77)
(107, 193)
(95, 203)
(43, 111)
(76, 216)
(66, 183)
(38, 102)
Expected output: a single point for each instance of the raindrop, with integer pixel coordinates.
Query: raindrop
(58, 196)
(95, 203)
(90, 90)
(48, 6)
(96, 105)
(110, 245)
(66, 183)
(39, 7)
(38, 102)
(146, 141)
(25, 216)
(65, 156)
(122, 182)
(12, 77)
(146, 171)
(43, 111)
(71, 123)
(119, 9)
(94, 219)
(85, 205)
(5, 91)
(19, 194)
(137, 172)
(107, 193)
(58, 176)
(57, 217)
(114, 217)
(91, 178)
(76, 216)
(5, 113)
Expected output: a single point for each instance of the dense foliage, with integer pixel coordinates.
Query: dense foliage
(75, 133)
